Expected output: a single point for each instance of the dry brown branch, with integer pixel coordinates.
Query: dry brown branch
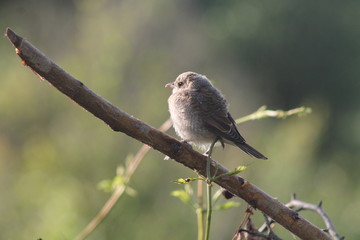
(301, 205)
(247, 230)
(298, 206)
(121, 121)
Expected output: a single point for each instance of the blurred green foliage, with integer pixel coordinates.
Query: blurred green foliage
(280, 53)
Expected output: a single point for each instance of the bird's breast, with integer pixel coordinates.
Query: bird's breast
(188, 120)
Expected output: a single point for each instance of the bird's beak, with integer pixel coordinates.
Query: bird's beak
(170, 85)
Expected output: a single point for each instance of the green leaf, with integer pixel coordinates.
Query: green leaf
(188, 189)
(120, 171)
(105, 185)
(118, 180)
(129, 158)
(237, 170)
(109, 185)
(228, 205)
(130, 191)
(240, 168)
(182, 195)
(186, 180)
(217, 194)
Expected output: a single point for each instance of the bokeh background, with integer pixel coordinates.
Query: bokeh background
(279, 53)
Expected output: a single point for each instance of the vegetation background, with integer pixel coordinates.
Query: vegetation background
(282, 53)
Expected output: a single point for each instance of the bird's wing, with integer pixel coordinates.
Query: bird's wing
(215, 117)
(224, 126)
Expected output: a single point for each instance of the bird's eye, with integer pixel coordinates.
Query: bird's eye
(180, 84)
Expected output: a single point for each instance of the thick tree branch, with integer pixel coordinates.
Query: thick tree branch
(121, 121)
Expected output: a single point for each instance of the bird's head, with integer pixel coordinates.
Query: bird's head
(189, 81)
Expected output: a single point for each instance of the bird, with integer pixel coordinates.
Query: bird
(200, 114)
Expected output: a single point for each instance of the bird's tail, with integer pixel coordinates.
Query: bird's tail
(250, 150)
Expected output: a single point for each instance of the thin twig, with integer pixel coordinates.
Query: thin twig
(246, 226)
(200, 210)
(119, 190)
(271, 234)
(300, 205)
(253, 234)
(248, 213)
(208, 190)
(262, 112)
(208, 210)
